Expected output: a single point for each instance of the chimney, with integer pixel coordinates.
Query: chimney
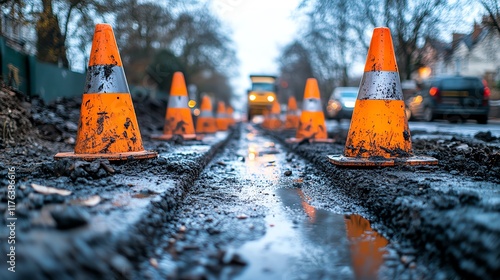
(456, 38)
(477, 30)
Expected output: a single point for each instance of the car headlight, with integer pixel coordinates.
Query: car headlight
(333, 106)
(252, 97)
(349, 104)
(270, 98)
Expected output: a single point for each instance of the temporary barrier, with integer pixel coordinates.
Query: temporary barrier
(312, 125)
(221, 117)
(108, 125)
(292, 114)
(274, 121)
(206, 120)
(230, 116)
(379, 133)
(178, 119)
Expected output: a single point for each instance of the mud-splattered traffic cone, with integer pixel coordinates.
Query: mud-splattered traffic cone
(312, 125)
(379, 134)
(292, 114)
(206, 120)
(108, 125)
(221, 117)
(178, 119)
(230, 116)
(274, 121)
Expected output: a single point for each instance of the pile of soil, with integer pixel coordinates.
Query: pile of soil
(463, 156)
(57, 121)
(15, 123)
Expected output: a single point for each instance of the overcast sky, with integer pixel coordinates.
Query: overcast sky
(260, 29)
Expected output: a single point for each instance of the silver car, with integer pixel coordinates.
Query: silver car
(341, 103)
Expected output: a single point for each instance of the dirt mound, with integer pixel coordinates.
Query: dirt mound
(15, 124)
(57, 121)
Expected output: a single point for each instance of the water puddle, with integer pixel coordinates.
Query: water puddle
(302, 242)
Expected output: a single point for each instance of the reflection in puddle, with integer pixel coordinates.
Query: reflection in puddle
(309, 243)
(367, 247)
(253, 152)
(300, 241)
(310, 211)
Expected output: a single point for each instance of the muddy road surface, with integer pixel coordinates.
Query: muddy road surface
(242, 204)
(281, 216)
(247, 217)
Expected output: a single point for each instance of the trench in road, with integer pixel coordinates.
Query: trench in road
(245, 203)
(302, 241)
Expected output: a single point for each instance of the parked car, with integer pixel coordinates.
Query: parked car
(341, 103)
(451, 98)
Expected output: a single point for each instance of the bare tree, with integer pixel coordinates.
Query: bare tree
(492, 8)
(156, 40)
(14, 8)
(295, 68)
(50, 41)
(343, 25)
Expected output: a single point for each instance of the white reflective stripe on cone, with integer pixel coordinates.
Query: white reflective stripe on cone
(312, 105)
(105, 79)
(206, 114)
(380, 85)
(175, 101)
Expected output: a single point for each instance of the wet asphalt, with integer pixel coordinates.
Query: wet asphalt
(247, 217)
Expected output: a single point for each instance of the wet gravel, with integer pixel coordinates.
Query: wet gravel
(446, 213)
(103, 226)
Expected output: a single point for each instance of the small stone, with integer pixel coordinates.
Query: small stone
(242, 217)
(462, 147)
(68, 217)
(231, 257)
(182, 229)
(288, 173)
(153, 262)
(69, 140)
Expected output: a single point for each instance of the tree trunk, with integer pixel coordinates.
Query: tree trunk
(50, 42)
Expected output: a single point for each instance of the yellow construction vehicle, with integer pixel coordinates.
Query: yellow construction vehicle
(262, 94)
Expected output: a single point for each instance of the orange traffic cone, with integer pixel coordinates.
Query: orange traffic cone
(312, 125)
(379, 134)
(230, 116)
(108, 125)
(274, 121)
(221, 119)
(292, 116)
(206, 120)
(178, 119)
